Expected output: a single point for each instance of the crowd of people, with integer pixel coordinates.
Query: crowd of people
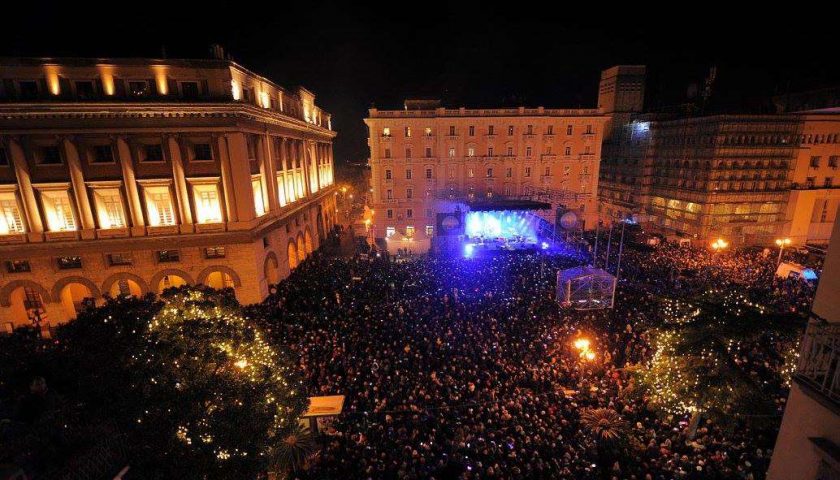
(466, 368)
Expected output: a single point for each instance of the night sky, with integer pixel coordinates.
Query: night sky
(355, 54)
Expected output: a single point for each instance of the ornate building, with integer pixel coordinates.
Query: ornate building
(425, 155)
(127, 176)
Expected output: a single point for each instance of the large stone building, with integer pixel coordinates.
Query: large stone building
(747, 178)
(425, 156)
(124, 176)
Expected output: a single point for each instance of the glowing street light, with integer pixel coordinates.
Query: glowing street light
(719, 245)
(782, 243)
(582, 344)
(589, 355)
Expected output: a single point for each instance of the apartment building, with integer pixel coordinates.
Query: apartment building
(425, 156)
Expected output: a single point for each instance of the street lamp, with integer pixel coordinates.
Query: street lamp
(782, 243)
(719, 245)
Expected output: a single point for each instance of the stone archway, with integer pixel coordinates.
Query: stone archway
(6, 291)
(75, 294)
(293, 255)
(301, 248)
(219, 276)
(63, 282)
(271, 268)
(125, 283)
(307, 241)
(170, 277)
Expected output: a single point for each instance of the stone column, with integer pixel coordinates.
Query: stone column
(77, 178)
(34, 223)
(330, 163)
(307, 158)
(268, 169)
(179, 182)
(227, 181)
(135, 207)
(236, 178)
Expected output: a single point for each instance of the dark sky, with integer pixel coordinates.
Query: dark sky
(356, 54)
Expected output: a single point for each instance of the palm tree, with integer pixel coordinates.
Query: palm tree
(605, 424)
(610, 433)
(295, 448)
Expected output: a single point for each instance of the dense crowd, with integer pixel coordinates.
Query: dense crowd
(464, 368)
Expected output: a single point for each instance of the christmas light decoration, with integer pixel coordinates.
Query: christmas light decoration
(215, 384)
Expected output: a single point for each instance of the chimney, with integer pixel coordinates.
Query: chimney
(217, 52)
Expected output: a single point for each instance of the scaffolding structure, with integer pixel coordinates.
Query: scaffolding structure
(585, 288)
(702, 176)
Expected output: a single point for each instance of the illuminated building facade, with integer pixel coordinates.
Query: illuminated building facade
(425, 156)
(127, 176)
(748, 178)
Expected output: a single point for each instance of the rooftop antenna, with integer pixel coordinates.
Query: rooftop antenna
(708, 84)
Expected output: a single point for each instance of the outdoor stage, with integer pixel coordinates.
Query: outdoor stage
(483, 228)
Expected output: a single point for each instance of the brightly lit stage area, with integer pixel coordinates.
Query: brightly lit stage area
(500, 230)
(493, 227)
(585, 288)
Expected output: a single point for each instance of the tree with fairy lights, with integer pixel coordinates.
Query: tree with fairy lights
(698, 366)
(217, 397)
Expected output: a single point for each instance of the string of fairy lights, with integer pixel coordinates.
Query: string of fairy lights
(678, 381)
(240, 353)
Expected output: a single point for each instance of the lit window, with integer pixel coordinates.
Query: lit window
(259, 198)
(390, 231)
(281, 190)
(58, 210)
(109, 208)
(409, 231)
(159, 206)
(386, 132)
(11, 221)
(471, 151)
(407, 131)
(208, 209)
(451, 152)
(430, 230)
(428, 131)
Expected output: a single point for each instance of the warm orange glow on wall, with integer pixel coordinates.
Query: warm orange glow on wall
(53, 83)
(160, 79)
(265, 101)
(106, 73)
(235, 90)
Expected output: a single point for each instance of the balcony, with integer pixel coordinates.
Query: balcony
(819, 361)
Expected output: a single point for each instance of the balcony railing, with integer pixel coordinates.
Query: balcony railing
(819, 360)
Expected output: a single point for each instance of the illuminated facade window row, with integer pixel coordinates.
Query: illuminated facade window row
(162, 173)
